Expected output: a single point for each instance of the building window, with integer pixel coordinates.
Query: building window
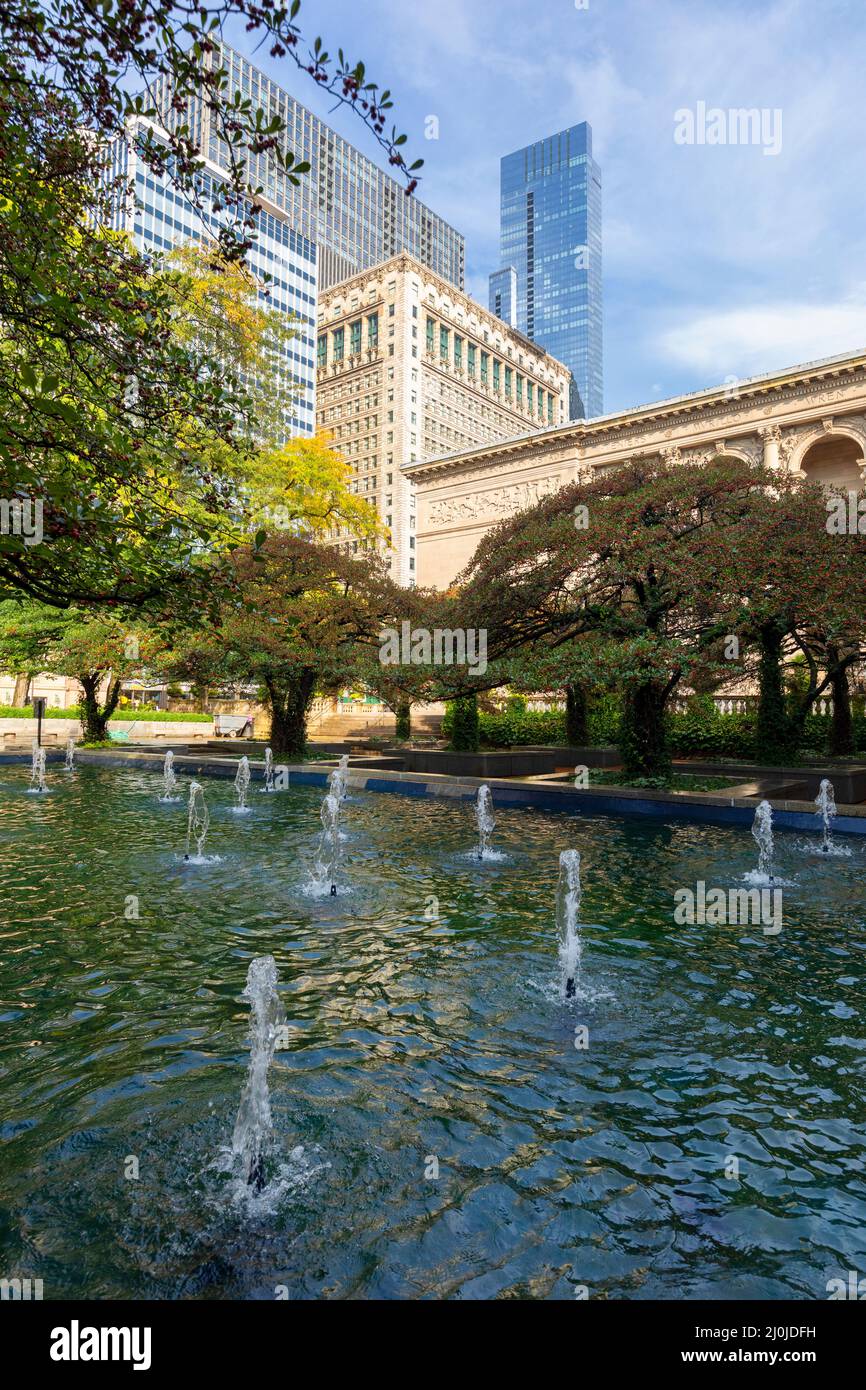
(485, 359)
(355, 338)
(323, 349)
(339, 338)
(496, 374)
(529, 396)
(508, 376)
(470, 359)
(549, 408)
(519, 389)
(431, 328)
(444, 335)
(458, 352)
(373, 330)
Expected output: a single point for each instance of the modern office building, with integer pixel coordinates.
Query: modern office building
(550, 284)
(160, 217)
(410, 368)
(349, 208)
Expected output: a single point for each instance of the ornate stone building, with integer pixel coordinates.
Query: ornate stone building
(810, 420)
(408, 366)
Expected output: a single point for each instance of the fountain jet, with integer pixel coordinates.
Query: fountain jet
(338, 781)
(328, 853)
(198, 819)
(169, 778)
(269, 770)
(567, 912)
(484, 819)
(69, 765)
(37, 773)
(242, 783)
(762, 833)
(826, 803)
(253, 1132)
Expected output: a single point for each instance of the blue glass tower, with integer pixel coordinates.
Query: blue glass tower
(550, 234)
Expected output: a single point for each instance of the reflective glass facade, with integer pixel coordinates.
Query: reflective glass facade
(160, 217)
(550, 233)
(348, 207)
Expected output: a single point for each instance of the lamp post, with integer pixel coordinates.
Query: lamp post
(40, 704)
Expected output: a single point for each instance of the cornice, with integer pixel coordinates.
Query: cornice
(406, 263)
(794, 386)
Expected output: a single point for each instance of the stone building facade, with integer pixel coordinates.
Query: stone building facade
(410, 367)
(809, 420)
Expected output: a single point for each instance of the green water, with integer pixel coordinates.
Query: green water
(415, 1038)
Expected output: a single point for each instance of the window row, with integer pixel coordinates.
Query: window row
(490, 370)
(337, 349)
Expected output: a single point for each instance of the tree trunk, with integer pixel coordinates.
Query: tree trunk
(94, 719)
(403, 714)
(22, 690)
(643, 742)
(842, 726)
(576, 731)
(289, 708)
(775, 734)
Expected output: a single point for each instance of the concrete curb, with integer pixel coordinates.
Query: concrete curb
(710, 808)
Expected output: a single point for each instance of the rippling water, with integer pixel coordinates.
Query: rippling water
(425, 1024)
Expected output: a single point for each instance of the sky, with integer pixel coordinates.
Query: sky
(720, 260)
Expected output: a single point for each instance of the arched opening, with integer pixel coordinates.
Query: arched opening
(834, 462)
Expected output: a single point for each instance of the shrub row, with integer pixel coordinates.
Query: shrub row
(157, 716)
(700, 731)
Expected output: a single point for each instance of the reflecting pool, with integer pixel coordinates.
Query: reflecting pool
(440, 1128)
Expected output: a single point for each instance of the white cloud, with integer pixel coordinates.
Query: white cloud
(762, 337)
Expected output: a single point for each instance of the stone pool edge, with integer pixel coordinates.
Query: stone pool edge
(706, 807)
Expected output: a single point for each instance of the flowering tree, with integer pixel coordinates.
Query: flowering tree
(634, 560)
(794, 587)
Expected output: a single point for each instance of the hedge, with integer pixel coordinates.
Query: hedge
(699, 731)
(159, 716)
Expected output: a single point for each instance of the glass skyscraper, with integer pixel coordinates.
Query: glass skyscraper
(346, 206)
(550, 235)
(159, 216)
(342, 217)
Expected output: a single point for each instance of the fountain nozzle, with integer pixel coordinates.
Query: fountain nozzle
(256, 1178)
(569, 989)
(333, 890)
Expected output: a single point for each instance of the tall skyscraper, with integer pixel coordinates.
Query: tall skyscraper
(159, 217)
(349, 208)
(550, 238)
(343, 216)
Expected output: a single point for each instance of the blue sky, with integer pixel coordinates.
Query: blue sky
(719, 261)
